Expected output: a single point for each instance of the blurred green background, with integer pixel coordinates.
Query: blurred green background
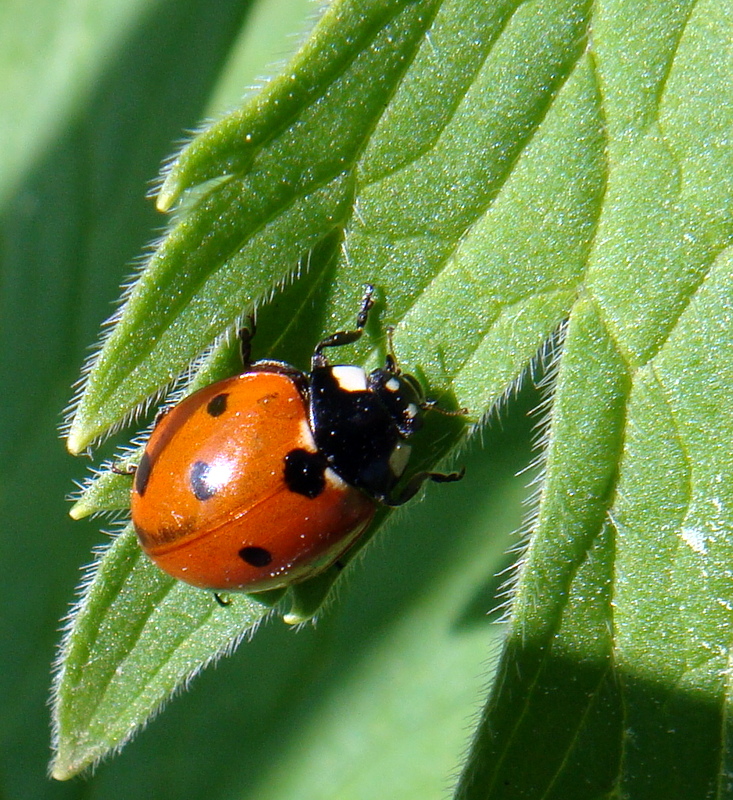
(95, 96)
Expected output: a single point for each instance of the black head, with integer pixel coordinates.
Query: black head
(402, 396)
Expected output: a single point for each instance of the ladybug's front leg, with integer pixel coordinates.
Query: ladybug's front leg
(345, 337)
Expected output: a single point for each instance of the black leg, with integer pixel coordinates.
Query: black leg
(345, 337)
(161, 413)
(220, 600)
(416, 481)
(246, 335)
(130, 469)
(390, 361)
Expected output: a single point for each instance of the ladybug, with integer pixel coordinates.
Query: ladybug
(266, 478)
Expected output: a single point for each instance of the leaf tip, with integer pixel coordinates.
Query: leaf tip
(78, 439)
(79, 510)
(60, 772)
(64, 765)
(168, 193)
(296, 619)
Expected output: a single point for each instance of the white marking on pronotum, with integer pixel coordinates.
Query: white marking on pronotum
(411, 411)
(399, 457)
(306, 441)
(350, 379)
(392, 385)
(334, 480)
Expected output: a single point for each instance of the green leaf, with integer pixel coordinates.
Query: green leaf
(338, 175)
(138, 636)
(613, 681)
(266, 210)
(497, 172)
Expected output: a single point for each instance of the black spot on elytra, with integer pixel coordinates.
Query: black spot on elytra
(305, 473)
(217, 405)
(198, 479)
(255, 556)
(142, 474)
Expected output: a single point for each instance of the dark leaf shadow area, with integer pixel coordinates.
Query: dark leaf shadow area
(69, 232)
(620, 734)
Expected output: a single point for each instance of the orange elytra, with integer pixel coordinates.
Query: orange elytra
(264, 479)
